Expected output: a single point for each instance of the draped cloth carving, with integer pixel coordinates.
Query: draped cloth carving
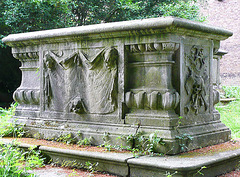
(89, 82)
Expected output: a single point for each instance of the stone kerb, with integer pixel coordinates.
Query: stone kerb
(118, 76)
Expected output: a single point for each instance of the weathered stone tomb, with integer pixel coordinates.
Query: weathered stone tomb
(114, 77)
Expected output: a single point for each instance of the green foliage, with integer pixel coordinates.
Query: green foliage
(199, 172)
(2, 45)
(230, 116)
(230, 113)
(67, 138)
(168, 174)
(142, 145)
(183, 138)
(15, 162)
(73, 173)
(86, 141)
(92, 11)
(182, 9)
(31, 15)
(71, 164)
(138, 143)
(7, 127)
(91, 167)
(109, 146)
(231, 91)
(184, 141)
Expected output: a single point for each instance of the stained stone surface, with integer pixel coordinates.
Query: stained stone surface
(211, 163)
(111, 78)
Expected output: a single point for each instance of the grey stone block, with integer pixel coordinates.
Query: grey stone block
(115, 163)
(110, 77)
(215, 164)
(145, 166)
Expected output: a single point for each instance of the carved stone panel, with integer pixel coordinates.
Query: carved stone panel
(150, 76)
(29, 91)
(81, 81)
(197, 82)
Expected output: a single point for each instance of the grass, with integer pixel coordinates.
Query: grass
(7, 127)
(230, 114)
(232, 91)
(15, 162)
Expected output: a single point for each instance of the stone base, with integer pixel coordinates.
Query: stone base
(180, 139)
(216, 164)
(145, 166)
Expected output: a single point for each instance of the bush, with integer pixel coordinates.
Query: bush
(9, 127)
(230, 114)
(182, 9)
(15, 162)
(231, 91)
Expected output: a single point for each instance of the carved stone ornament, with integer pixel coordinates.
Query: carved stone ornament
(89, 81)
(197, 80)
(150, 47)
(154, 100)
(23, 96)
(26, 56)
(151, 76)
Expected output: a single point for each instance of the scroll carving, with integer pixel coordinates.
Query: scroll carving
(196, 82)
(89, 81)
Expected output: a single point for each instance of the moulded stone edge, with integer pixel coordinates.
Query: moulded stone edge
(128, 165)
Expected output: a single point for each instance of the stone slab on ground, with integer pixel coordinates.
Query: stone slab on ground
(215, 164)
(126, 165)
(115, 163)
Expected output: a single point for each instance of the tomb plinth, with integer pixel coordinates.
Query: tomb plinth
(151, 75)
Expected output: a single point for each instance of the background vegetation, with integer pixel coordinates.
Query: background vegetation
(230, 113)
(15, 162)
(31, 15)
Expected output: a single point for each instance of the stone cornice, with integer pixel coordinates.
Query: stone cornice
(118, 29)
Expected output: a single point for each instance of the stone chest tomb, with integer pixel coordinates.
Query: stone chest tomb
(116, 77)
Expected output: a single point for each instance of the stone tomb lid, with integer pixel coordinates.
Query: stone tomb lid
(121, 29)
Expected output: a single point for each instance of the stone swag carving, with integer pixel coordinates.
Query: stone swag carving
(89, 81)
(197, 80)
